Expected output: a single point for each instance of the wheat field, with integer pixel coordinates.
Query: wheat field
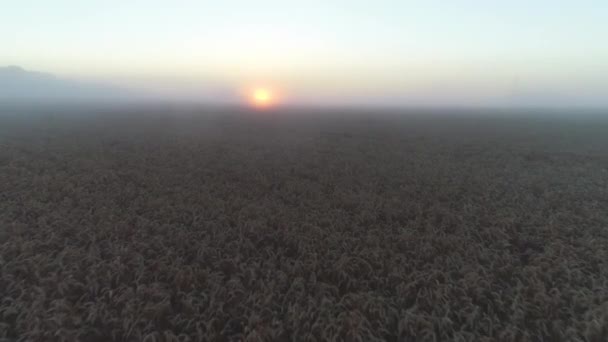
(218, 225)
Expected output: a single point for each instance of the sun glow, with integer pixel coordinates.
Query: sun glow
(262, 97)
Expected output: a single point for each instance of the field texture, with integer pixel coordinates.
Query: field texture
(176, 226)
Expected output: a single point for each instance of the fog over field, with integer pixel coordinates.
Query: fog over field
(275, 170)
(25, 87)
(166, 223)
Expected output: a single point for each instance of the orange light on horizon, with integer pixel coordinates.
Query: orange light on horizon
(262, 97)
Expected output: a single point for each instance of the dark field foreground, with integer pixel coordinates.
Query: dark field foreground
(277, 227)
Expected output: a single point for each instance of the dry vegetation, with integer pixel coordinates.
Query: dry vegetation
(178, 227)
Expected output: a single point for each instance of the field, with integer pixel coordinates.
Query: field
(170, 224)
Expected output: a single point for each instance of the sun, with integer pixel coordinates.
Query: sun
(262, 97)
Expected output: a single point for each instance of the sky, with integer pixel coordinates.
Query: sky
(458, 52)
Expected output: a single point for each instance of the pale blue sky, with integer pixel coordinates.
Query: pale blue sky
(468, 51)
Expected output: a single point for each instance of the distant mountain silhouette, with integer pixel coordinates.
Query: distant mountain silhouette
(18, 84)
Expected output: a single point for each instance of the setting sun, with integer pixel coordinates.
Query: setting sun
(262, 97)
